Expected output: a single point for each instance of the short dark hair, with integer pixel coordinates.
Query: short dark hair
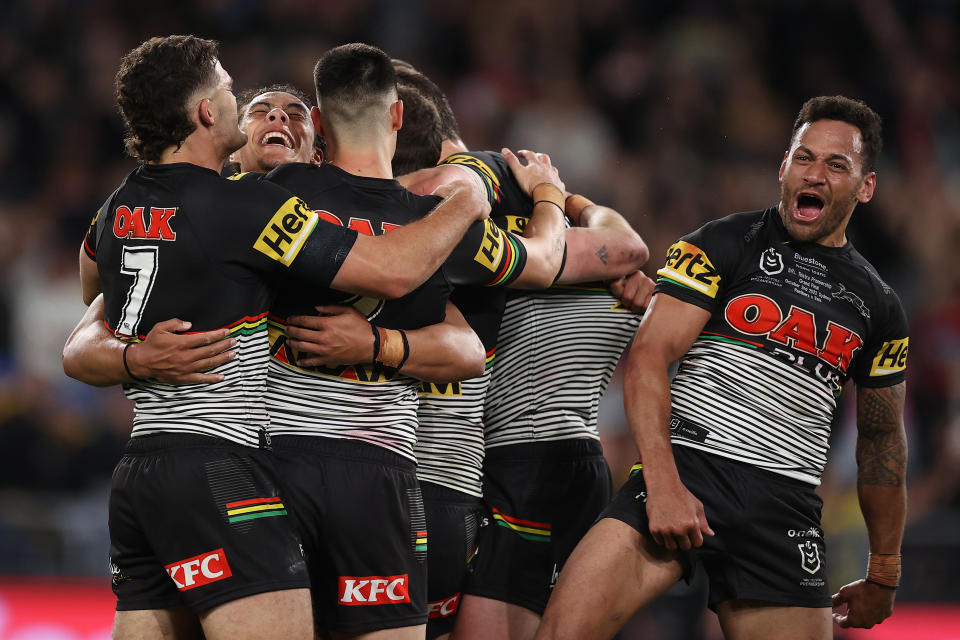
(419, 140)
(852, 112)
(153, 85)
(245, 97)
(352, 77)
(408, 75)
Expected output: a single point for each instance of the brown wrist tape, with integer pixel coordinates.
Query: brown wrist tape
(548, 192)
(392, 349)
(574, 206)
(884, 569)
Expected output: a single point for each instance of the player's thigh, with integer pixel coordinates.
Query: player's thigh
(415, 632)
(748, 620)
(274, 614)
(613, 572)
(482, 618)
(177, 623)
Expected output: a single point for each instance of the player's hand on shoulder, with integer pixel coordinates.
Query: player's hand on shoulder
(468, 198)
(676, 517)
(171, 356)
(862, 604)
(634, 291)
(340, 335)
(537, 170)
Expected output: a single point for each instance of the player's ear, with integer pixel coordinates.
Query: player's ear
(205, 113)
(783, 164)
(865, 192)
(317, 119)
(396, 115)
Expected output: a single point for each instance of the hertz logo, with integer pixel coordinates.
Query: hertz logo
(285, 233)
(892, 358)
(491, 248)
(516, 224)
(688, 265)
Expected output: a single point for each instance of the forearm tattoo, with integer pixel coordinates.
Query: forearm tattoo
(602, 254)
(881, 442)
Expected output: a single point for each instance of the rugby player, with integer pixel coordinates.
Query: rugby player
(770, 313)
(450, 441)
(228, 553)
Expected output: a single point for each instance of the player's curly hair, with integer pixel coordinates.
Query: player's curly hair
(153, 85)
(852, 112)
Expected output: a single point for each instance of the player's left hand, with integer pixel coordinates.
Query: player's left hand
(634, 291)
(341, 335)
(862, 604)
(537, 170)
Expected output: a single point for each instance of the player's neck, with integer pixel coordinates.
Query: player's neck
(366, 162)
(203, 155)
(449, 147)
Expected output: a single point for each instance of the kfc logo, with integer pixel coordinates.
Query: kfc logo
(199, 570)
(361, 590)
(443, 608)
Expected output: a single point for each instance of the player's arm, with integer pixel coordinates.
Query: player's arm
(442, 352)
(394, 264)
(95, 356)
(882, 490)
(90, 286)
(668, 330)
(603, 247)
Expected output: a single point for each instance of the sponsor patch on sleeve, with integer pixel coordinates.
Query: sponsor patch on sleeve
(516, 224)
(492, 246)
(287, 230)
(489, 178)
(688, 266)
(891, 358)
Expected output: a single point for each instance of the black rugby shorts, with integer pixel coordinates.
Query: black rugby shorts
(360, 514)
(768, 546)
(198, 521)
(542, 498)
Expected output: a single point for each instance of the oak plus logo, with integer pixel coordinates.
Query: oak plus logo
(771, 262)
(366, 590)
(133, 223)
(199, 570)
(809, 556)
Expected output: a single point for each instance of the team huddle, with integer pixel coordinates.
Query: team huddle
(366, 364)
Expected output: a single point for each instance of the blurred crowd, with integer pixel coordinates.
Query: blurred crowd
(673, 113)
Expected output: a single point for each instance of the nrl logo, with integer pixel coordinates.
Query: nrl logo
(771, 262)
(809, 557)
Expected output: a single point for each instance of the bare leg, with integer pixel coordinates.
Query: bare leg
(283, 615)
(152, 624)
(750, 620)
(613, 572)
(481, 618)
(417, 632)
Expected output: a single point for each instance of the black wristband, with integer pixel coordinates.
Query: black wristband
(127, 366)
(376, 342)
(406, 349)
(884, 586)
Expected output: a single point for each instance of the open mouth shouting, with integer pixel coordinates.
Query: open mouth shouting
(808, 206)
(277, 139)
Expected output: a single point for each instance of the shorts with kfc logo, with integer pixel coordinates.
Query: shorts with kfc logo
(453, 518)
(197, 521)
(361, 517)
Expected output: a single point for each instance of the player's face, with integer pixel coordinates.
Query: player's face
(279, 130)
(821, 181)
(224, 104)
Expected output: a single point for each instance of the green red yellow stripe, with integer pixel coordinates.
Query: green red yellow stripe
(490, 356)
(719, 337)
(526, 529)
(509, 261)
(636, 468)
(420, 541)
(255, 508)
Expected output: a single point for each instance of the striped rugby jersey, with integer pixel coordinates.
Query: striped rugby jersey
(791, 323)
(366, 402)
(177, 240)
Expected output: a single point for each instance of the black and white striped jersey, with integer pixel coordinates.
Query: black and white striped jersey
(555, 355)
(177, 240)
(791, 323)
(366, 402)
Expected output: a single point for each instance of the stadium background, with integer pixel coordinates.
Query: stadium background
(674, 113)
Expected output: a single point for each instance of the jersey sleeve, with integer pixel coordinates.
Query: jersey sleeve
(487, 255)
(483, 166)
(699, 265)
(292, 241)
(90, 238)
(883, 361)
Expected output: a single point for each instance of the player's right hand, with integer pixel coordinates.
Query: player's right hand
(676, 517)
(537, 170)
(469, 198)
(171, 356)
